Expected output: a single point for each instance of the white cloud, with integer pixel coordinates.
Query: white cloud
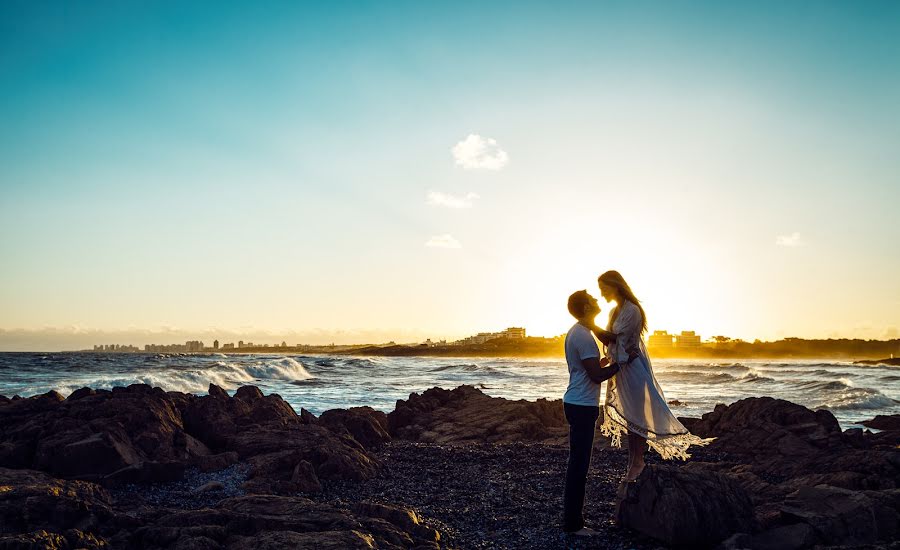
(479, 153)
(443, 241)
(791, 240)
(437, 198)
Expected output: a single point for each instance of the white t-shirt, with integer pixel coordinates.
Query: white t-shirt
(580, 345)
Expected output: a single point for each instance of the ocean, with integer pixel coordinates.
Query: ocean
(318, 383)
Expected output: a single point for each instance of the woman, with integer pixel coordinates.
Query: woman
(635, 404)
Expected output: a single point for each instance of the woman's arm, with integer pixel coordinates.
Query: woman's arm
(627, 330)
(605, 336)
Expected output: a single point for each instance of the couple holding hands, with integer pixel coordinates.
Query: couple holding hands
(635, 405)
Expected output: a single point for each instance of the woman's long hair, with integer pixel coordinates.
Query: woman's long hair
(614, 279)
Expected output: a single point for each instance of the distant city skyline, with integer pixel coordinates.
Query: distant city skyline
(399, 171)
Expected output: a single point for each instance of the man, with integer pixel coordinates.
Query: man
(582, 403)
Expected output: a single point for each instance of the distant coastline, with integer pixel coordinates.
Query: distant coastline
(868, 351)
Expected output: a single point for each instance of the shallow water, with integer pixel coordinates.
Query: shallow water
(317, 383)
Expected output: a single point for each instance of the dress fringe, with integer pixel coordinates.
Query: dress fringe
(669, 446)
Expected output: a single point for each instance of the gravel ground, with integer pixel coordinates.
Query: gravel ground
(477, 496)
(495, 495)
(184, 494)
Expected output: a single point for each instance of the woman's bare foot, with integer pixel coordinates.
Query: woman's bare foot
(585, 532)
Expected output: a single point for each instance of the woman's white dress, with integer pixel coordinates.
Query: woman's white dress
(634, 400)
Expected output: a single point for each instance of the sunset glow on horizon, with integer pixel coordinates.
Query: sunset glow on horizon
(366, 172)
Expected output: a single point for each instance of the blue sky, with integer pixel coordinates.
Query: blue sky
(267, 167)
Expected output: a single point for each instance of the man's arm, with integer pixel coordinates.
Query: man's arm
(597, 369)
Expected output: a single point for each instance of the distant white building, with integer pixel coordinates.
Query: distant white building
(687, 339)
(193, 345)
(512, 333)
(515, 333)
(660, 339)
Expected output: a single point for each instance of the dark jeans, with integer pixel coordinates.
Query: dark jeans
(582, 421)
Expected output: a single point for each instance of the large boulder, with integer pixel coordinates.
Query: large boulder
(840, 516)
(884, 422)
(761, 425)
(32, 501)
(143, 434)
(285, 454)
(782, 442)
(364, 424)
(93, 433)
(268, 521)
(467, 415)
(685, 507)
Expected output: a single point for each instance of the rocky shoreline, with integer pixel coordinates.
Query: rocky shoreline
(139, 467)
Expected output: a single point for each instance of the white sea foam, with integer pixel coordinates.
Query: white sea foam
(228, 376)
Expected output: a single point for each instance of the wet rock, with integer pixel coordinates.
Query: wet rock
(685, 508)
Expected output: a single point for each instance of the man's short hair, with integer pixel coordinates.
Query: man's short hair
(577, 301)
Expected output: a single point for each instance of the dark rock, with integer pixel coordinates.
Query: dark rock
(37, 540)
(323, 540)
(466, 414)
(268, 521)
(94, 434)
(94, 455)
(283, 472)
(307, 417)
(778, 441)
(787, 537)
(209, 487)
(305, 478)
(364, 424)
(841, 516)
(404, 518)
(248, 393)
(81, 393)
(217, 392)
(211, 463)
(856, 438)
(685, 508)
(688, 421)
(32, 501)
(883, 422)
(147, 472)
